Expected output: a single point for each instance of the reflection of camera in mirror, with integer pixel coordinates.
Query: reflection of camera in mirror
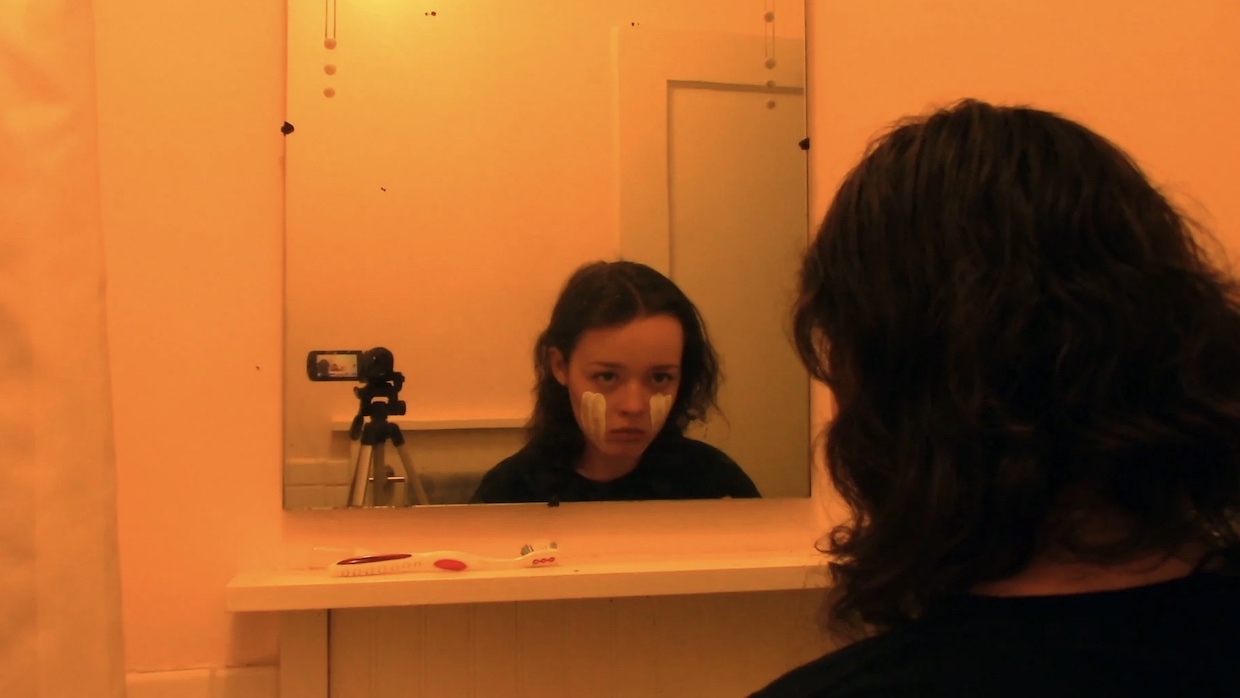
(372, 365)
(333, 365)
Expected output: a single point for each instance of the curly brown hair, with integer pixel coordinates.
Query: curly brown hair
(1020, 332)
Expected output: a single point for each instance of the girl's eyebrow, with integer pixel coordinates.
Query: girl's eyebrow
(613, 365)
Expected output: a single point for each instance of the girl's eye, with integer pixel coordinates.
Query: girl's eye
(605, 376)
(663, 378)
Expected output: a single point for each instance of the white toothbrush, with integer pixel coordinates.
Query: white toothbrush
(541, 554)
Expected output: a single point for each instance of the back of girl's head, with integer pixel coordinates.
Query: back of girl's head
(1023, 340)
(609, 294)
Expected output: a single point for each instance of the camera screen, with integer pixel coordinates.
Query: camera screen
(332, 365)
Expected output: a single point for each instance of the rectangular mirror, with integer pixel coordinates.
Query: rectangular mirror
(451, 165)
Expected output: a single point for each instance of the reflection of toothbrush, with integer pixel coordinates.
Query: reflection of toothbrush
(539, 554)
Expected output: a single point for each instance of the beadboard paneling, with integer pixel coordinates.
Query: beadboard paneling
(641, 647)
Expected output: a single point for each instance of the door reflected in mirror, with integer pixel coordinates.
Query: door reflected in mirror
(449, 169)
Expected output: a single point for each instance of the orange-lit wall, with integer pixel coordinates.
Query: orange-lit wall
(190, 104)
(191, 98)
(1160, 78)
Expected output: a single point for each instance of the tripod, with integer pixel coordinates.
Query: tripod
(370, 465)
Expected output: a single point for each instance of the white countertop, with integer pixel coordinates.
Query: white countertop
(614, 577)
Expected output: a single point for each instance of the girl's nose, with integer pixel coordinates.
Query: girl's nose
(633, 398)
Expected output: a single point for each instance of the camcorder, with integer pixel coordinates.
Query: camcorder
(377, 399)
(374, 367)
(350, 365)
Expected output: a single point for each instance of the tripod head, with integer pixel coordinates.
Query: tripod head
(376, 369)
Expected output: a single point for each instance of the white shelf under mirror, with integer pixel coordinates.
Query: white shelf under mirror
(612, 577)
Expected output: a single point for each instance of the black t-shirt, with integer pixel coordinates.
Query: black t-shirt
(672, 467)
(1177, 638)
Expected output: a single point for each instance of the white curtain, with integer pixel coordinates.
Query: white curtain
(60, 620)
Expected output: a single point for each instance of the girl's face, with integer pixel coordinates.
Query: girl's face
(622, 381)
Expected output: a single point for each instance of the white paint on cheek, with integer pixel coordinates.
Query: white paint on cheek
(594, 416)
(660, 406)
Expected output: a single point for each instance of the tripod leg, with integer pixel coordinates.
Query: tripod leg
(413, 479)
(381, 496)
(361, 471)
